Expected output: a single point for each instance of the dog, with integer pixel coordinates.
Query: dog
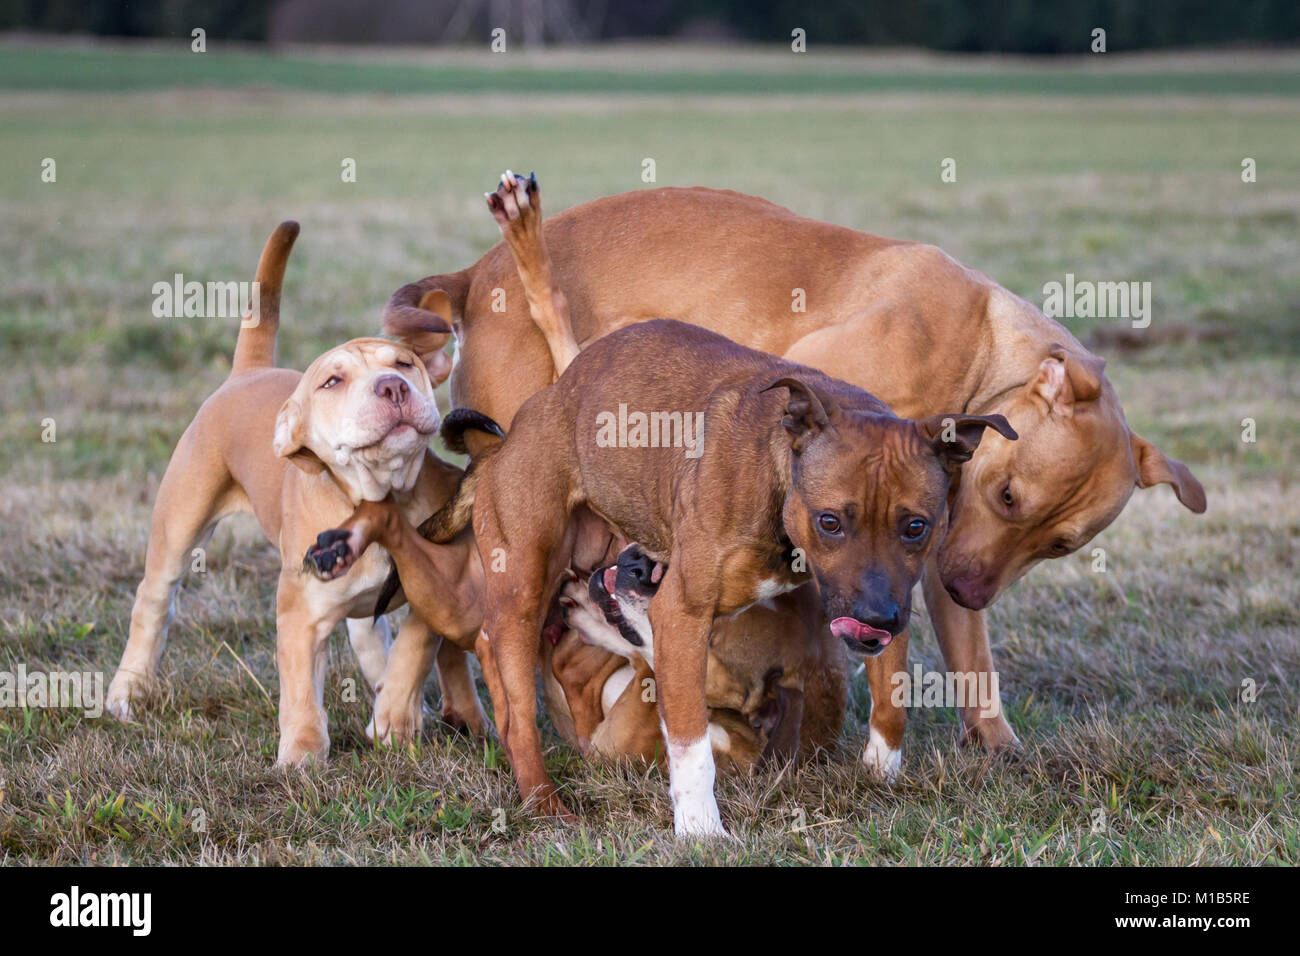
(299, 450)
(900, 319)
(823, 484)
(776, 680)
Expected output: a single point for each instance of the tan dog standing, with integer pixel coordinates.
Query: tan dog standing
(301, 451)
(901, 319)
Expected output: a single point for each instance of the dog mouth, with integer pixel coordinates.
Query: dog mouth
(602, 588)
(401, 432)
(860, 638)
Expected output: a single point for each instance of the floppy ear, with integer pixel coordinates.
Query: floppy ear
(806, 416)
(425, 330)
(290, 433)
(1065, 378)
(1084, 372)
(1155, 469)
(954, 438)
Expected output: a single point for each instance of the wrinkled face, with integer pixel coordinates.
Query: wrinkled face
(366, 411)
(1046, 495)
(866, 507)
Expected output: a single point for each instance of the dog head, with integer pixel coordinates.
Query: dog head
(867, 503)
(622, 592)
(1068, 476)
(365, 410)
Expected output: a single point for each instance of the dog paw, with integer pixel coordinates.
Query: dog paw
(124, 689)
(516, 202)
(119, 708)
(994, 735)
(331, 555)
(305, 750)
(698, 820)
(470, 724)
(882, 761)
(395, 726)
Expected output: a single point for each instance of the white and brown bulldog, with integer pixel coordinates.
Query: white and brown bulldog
(301, 451)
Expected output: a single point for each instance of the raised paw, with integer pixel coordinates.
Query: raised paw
(516, 203)
(331, 555)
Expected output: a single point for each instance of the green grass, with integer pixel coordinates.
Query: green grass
(1124, 686)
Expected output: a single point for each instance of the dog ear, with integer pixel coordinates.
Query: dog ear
(420, 315)
(1065, 378)
(290, 433)
(806, 412)
(1085, 372)
(1155, 469)
(954, 438)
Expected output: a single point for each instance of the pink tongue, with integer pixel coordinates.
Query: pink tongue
(843, 627)
(610, 578)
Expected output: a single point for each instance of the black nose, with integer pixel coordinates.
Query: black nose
(884, 616)
(636, 570)
(393, 388)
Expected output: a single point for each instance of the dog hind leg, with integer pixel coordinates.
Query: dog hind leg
(191, 500)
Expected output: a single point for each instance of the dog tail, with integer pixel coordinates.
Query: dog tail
(458, 510)
(421, 314)
(461, 420)
(256, 345)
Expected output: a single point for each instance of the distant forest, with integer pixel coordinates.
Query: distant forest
(1011, 26)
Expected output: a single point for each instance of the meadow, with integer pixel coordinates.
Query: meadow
(1125, 686)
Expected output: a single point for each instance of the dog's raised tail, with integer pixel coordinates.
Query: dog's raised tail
(457, 511)
(255, 347)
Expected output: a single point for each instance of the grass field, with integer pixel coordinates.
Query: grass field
(1124, 686)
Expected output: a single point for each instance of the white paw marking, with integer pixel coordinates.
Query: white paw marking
(690, 774)
(882, 760)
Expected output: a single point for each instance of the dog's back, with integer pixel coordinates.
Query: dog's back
(670, 390)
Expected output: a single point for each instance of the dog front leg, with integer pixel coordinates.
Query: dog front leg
(399, 696)
(883, 755)
(681, 641)
(371, 639)
(301, 655)
(964, 641)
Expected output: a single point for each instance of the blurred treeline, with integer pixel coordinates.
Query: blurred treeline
(1013, 26)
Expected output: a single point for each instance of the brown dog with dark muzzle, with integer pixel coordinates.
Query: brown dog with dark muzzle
(745, 474)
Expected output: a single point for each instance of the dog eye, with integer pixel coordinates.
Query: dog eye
(828, 522)
(405, 365)
(1061, 548)
(915, 529)
(1007, 498)
(331, 381)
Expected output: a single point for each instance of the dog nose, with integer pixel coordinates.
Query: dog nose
(636, 570)
(970, 591)
(392, 388)
(884, 616)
